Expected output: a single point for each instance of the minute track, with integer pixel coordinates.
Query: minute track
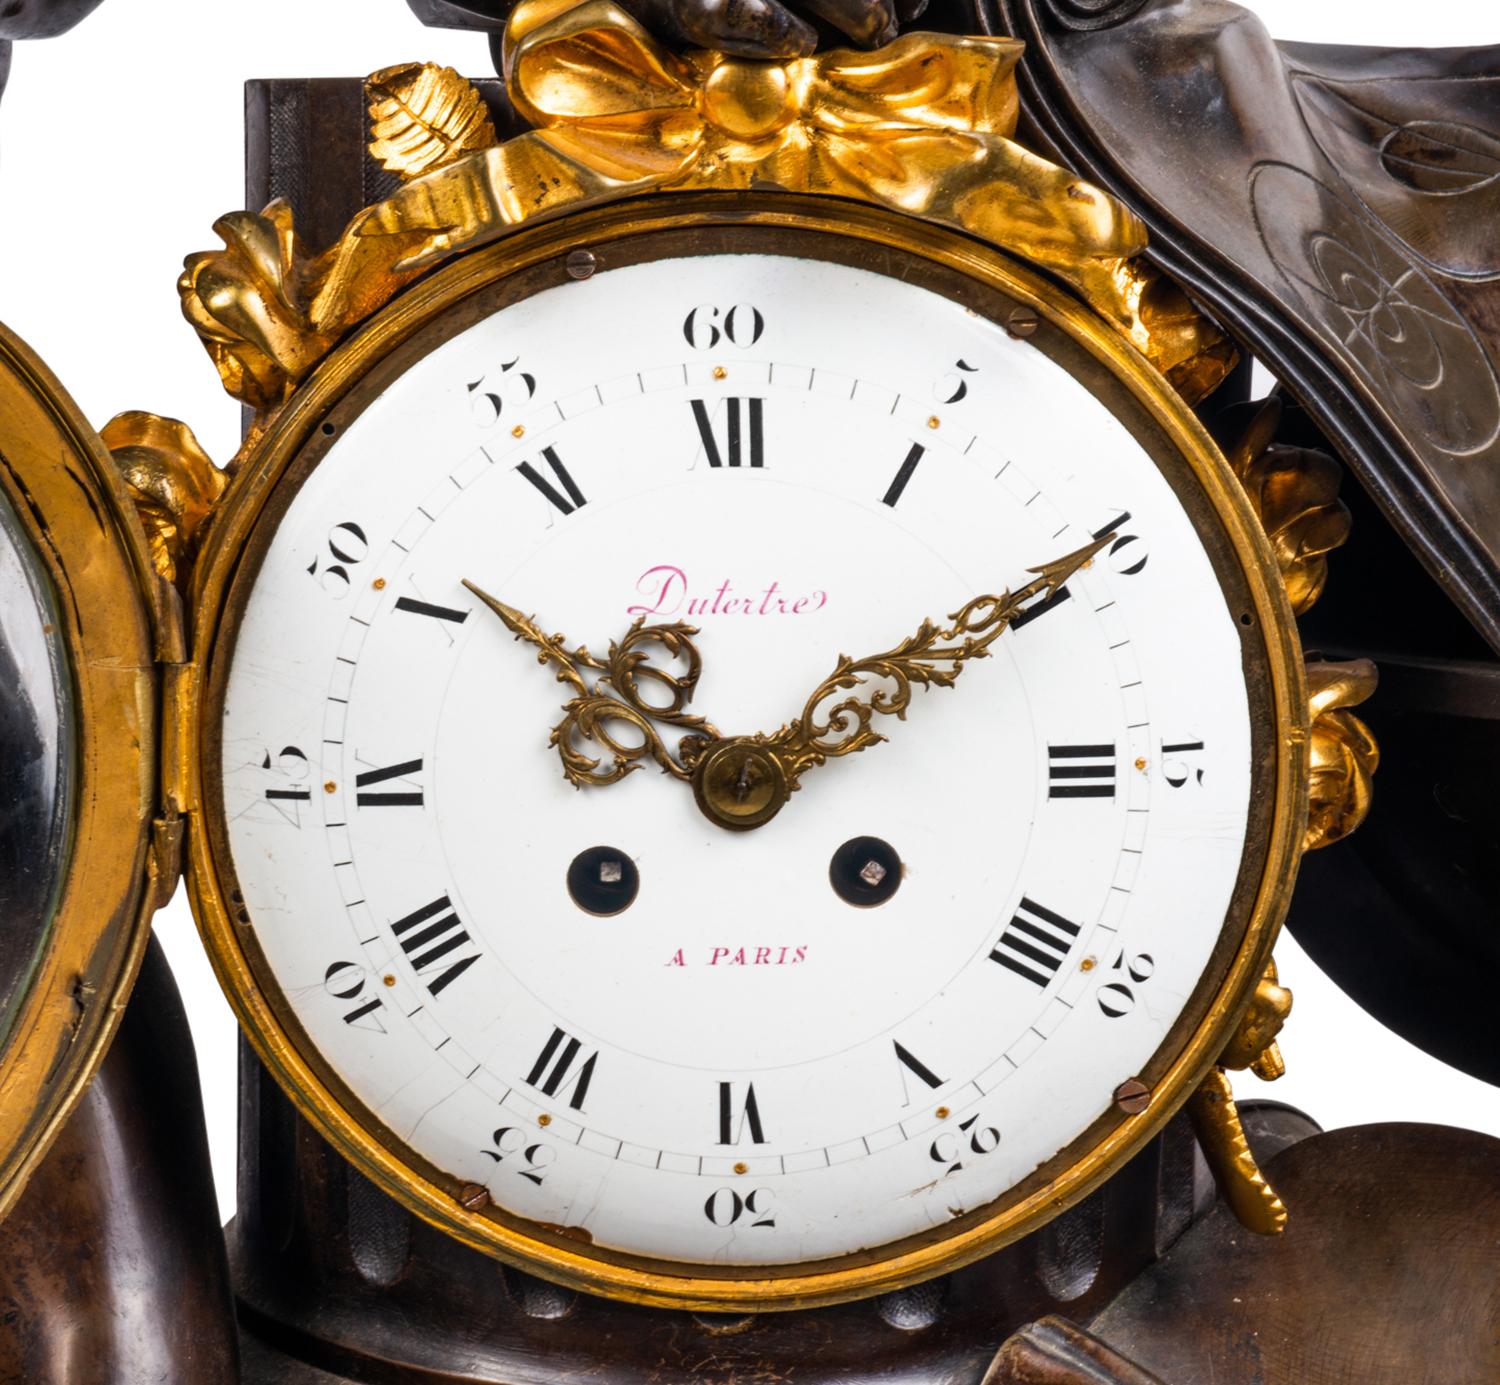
(1010, 1064)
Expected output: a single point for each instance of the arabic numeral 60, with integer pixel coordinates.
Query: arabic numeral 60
(706, 326)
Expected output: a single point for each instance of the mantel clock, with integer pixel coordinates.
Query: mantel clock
(854, 448)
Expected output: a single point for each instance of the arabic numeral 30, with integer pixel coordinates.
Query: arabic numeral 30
(725, 1208)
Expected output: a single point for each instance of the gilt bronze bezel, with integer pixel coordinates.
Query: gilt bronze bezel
(970, 272)
(81, 526)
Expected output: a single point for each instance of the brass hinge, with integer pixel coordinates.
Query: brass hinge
(164, 861)
(179, 702)
(179, 697)
(168, 624)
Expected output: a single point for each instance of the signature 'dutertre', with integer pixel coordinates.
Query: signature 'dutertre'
(665, 591)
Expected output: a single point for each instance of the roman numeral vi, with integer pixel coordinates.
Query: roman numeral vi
(734, 1117)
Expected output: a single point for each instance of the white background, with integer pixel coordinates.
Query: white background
(120, 144)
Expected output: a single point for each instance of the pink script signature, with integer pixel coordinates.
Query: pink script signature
(666, 592)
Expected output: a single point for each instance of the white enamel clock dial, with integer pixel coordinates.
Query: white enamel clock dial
(802, 459)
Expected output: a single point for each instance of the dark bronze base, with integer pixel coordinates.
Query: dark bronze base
(334, 1275)
(111, 1270)
(111, 1265)
(1384, 1277)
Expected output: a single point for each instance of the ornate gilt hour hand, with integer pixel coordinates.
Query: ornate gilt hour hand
(615, 694)
(743, 782)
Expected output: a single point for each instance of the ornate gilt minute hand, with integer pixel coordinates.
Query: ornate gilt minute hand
(743, 782)
(616, 695)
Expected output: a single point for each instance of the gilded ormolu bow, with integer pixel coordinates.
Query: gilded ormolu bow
(921, 126)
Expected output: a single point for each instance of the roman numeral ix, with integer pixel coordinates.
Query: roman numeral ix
(1036, 943)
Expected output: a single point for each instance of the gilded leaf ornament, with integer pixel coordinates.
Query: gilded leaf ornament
(251, 303)
(1343, 753)
(423, 117)
(923, 126)
(171, 480)
(1295, 494)
(1253, 1044)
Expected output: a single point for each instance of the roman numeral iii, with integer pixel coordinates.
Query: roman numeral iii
(744, 432)
(434, 942)
(1081, 771)
(1036, 943)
